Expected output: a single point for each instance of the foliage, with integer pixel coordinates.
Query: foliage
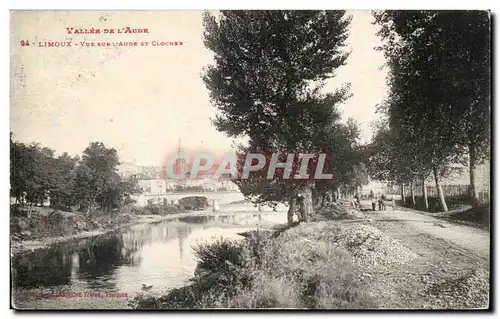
(154, 209)
(97, 180)
(218, 255)
(267, 272)
(157, 209)
(446, 55)
(270, 68)
(37, 174)
(266, 63)
(194, 202)
(438, 108)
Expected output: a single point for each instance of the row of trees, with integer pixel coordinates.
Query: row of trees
(266, 83)
(437, 113)
(84, 183)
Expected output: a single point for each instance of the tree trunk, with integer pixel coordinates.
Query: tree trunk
(88, 209)
(23, 199)
(403, 197)
(412, 194)
(474, 195)
(306, 202)
(30, 210)
(319, 199)
(323, 201)
(291, 210)
(424, 195)
(439, 190)
(319, 202)
(316, 199)
(327, 198)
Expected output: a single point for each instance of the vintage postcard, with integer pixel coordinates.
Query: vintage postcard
(319, 159)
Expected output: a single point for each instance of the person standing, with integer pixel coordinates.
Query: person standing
(357, 200)
(372, 198)
(381, 203)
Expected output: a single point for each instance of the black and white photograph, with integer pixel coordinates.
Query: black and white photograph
(250, 159)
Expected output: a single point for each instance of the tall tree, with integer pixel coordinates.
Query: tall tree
(61, 194)
(266, 83)
(432, 55)
(36, 175)
(96, 176)
(31, 173)
(467, 83)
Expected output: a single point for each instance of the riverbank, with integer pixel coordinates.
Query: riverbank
(45, 226)
(79, 228)
(381, 262)
(19, 246)
(156, 253)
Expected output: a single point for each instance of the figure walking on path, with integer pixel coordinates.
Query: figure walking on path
(372, 198)
(357, 201)
(381, 203)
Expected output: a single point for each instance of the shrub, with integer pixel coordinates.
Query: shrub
(289, 271)
(194, 202)
(268, 291)
(173, 208)
(153, 209)
(56, 218)
(216, 256)
(133, 209)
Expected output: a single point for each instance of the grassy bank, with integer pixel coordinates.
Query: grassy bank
(330, 263)
(47, 226)
(315, 265)
(292, 270)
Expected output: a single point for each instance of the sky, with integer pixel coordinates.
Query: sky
(140, 100)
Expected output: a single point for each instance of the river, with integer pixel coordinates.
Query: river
(82, 274)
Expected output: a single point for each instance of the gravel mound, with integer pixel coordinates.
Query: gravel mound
(369, 246)
(467, 292)
(366, 244)
(338, 212)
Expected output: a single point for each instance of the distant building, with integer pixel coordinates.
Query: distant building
(462, 177)
(375, 187)
(154, 180)
(126, 170)
(153, 186)
(207, 184)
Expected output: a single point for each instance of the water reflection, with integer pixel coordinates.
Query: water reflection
(156, 254)
(44, 268)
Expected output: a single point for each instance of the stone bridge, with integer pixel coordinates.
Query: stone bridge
(214, 198)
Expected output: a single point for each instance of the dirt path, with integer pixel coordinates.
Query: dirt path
(471, 238)
(452, 270)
